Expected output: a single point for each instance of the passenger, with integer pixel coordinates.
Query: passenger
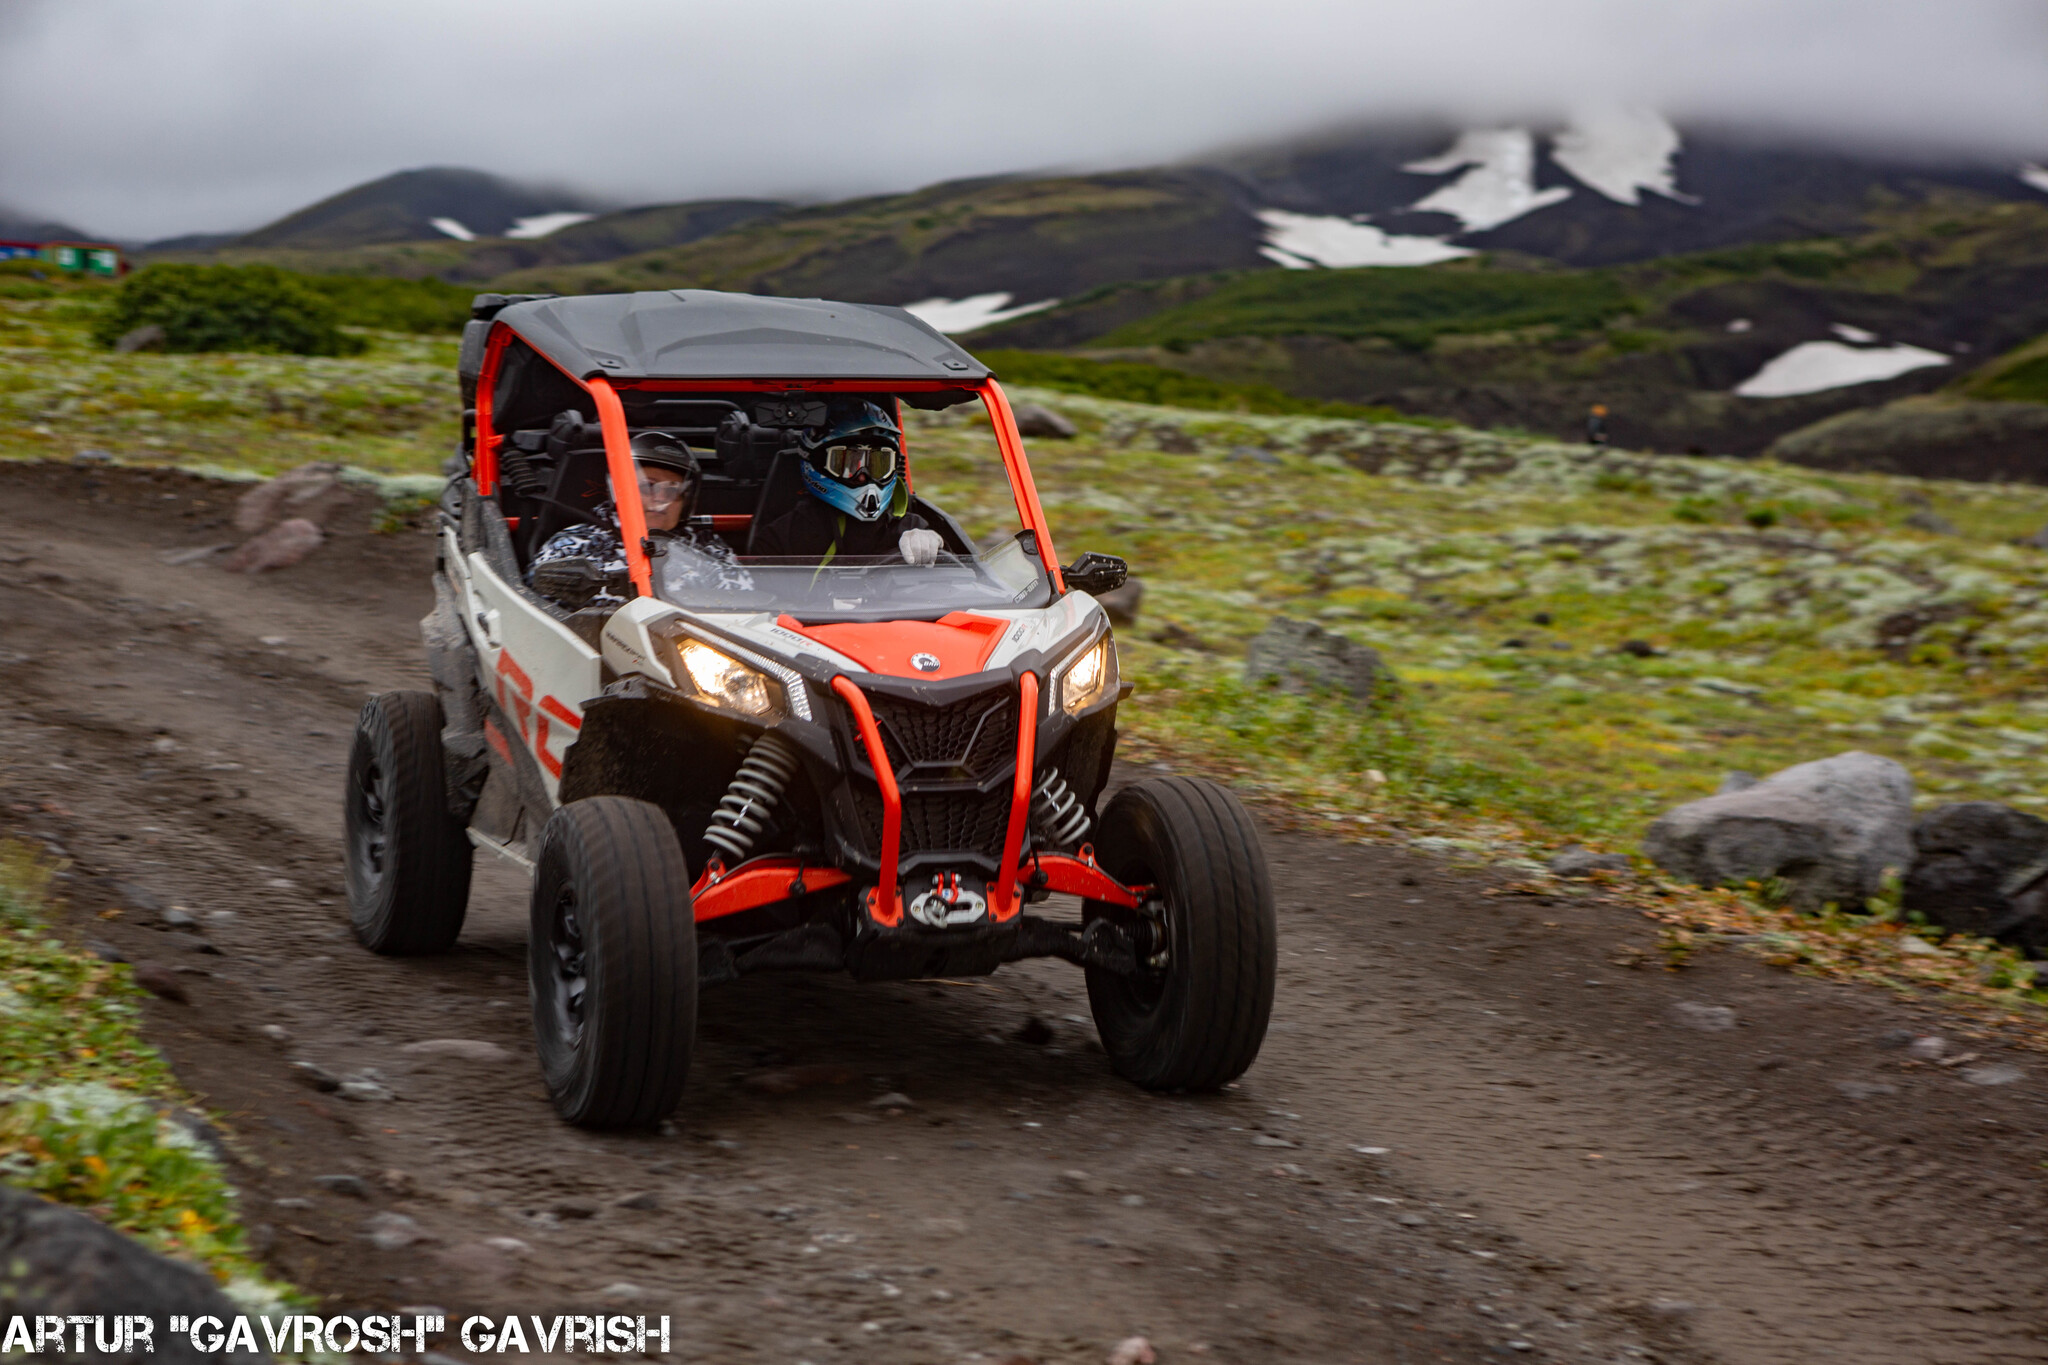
(692, 558)
(857, 502)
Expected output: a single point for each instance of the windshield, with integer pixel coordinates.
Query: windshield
(1001, 576)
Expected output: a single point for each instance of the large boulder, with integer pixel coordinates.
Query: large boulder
(1122, 603)
(1300, 656)
(56, 1261)
(312, 492)
(282, 546)
(1830, 829)
(1035, 419)
(1972, 860)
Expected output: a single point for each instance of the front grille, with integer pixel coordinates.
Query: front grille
(967, 740)
(940, 822)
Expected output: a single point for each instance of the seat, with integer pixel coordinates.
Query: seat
(581, 482)
(779, 492)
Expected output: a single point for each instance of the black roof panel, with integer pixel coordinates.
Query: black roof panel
(705, 334)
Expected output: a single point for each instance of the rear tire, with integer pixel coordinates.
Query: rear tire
(1197, 1021)
(612, 958)
(407, 859)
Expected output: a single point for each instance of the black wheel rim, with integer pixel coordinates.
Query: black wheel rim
(1151, 930)
(371, 824)
(565, 965)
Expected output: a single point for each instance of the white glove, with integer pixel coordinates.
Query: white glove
(920, 547)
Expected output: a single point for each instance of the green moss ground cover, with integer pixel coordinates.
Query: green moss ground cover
(390, 409)
(89, 1114)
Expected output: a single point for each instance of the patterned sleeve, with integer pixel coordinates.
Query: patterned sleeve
(699, 559)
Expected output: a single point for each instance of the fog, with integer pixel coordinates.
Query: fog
(138, 119)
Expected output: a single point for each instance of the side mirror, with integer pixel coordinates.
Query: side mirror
(1096, 574)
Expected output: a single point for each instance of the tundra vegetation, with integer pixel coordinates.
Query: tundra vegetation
(1584, 637)
(89, 1114)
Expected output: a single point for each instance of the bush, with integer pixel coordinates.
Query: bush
(227, 308)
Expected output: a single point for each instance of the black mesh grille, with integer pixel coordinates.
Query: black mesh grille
(951, 822)
(971, 738)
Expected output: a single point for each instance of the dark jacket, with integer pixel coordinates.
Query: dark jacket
(815, 530)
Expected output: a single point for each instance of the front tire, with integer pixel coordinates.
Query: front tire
(612, 958)
(1193, 1017)
(408, 860)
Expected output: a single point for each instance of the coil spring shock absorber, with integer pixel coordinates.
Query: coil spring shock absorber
(755, 791)
(1056, 814)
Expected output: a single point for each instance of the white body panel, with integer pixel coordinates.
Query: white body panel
(535, 668)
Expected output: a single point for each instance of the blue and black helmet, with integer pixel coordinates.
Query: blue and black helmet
(855, 462)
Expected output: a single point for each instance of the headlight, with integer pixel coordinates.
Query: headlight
(1089, 678)
(717, 679)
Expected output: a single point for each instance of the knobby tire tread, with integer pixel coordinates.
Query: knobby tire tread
(424, 891)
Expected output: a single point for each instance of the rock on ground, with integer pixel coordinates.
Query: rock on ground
(313, 492)
(1967, 858)
(147, 337)
(1299, 656)
(1035, 419)
(281, 546)
(1576, 860)
(55, 1260)
(1830, 829)
(1122, 603)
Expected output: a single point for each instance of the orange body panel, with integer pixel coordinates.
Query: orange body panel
(961, 641)
(759, 883)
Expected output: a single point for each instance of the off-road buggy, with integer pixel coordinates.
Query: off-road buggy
(859, 765)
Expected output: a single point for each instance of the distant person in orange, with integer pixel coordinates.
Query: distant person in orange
(1596, 425)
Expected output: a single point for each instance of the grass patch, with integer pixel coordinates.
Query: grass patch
(89, 1114)
(1132, 382)
(2018, 376)
(1409, 307)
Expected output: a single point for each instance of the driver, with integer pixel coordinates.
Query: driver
(669, 477)
(856, 500)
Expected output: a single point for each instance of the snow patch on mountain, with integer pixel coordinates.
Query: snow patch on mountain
(541, 224)
(1499, 187)
(450, 227)
(1301, 241)
(977, 310)
(1816, 366)
(2037, 176)
(1619, 152)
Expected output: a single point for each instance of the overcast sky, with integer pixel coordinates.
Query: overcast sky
(140, 118)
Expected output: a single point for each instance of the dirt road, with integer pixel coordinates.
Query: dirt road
(1471, 1136)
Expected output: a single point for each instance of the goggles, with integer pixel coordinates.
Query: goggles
(849, 461)
(658, 495)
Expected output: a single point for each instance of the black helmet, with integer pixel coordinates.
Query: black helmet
(660, 450)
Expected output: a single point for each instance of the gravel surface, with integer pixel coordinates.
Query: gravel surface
(1471, 1135)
